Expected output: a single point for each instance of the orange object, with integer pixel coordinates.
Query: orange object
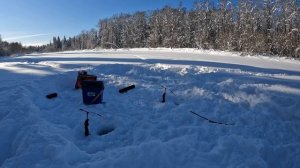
(83, 76)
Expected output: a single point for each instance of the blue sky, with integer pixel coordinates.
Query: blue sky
(37, 21)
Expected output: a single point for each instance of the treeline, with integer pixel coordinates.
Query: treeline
(7, 49)
(251, 26)
(264, 27)
(85, 40)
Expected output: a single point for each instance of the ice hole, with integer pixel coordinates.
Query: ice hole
(106, 130)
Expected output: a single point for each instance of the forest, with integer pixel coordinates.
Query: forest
(267, 27)
(15, 48)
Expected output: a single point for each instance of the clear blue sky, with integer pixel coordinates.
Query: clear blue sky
(37, 21)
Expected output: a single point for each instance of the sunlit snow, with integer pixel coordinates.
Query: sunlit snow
(259, 95)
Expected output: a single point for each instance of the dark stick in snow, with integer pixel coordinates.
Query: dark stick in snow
(176, 103)
(210, 121)
(164, 96)
(86, 125)
(127, 89)
(52, 95)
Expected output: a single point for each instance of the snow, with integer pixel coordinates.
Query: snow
(259, 95)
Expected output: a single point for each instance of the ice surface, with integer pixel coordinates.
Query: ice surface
(260, 95)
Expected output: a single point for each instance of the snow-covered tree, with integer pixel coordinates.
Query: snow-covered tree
(291, 29)
(245, 26)
(64, 44)
(224, 25)
(204, 34)
(139, 29)
(156, 25)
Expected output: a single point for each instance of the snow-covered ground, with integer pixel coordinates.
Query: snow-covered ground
(259, 95)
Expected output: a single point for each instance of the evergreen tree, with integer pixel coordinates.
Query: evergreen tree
(54, 43)
(139, 29)
(64, 43)
(59, 44)
(1, 47)
(156, 25)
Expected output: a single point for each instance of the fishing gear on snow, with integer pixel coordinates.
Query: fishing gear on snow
(91, 112)
(51, 96)
(103, 131)
(83, 76)
(210, 121)
(176, 103)
(92, 92)
(164, 96)
(86, 122)
(124, 90)
(86, 125)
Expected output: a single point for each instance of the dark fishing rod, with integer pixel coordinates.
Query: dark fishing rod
(164, 96)
(86, 125)
(168, 89)
(92, 113)
(210, 121)
(86, 122)
(176, 103)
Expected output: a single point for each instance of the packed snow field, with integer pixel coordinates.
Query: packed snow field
(259, 95)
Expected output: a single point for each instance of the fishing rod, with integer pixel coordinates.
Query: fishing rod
(169, 90)
(210, 121)
(196, 114)
(176, 103)
(86, 122)
(92, 113)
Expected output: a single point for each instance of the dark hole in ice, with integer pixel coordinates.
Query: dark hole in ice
(106, 130)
